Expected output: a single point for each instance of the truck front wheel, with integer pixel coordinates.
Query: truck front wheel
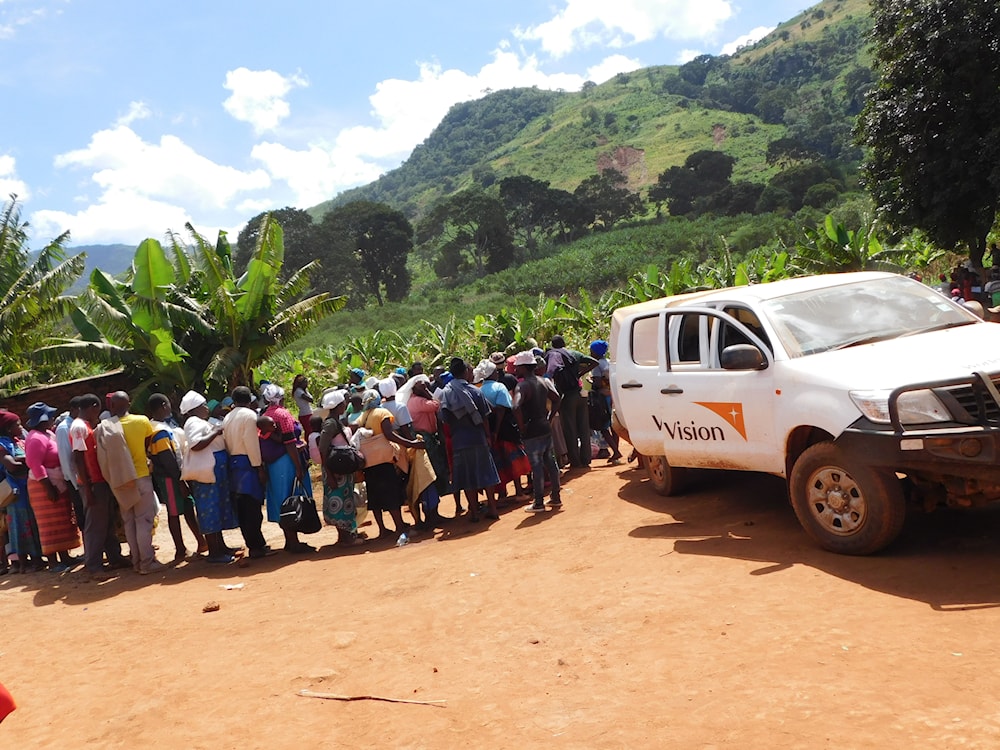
(844, 505)
(666, 479)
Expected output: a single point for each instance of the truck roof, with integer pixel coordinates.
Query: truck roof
(751, 293)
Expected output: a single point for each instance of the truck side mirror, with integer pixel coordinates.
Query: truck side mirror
(742, 357)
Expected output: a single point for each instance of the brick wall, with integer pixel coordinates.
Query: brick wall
(59, 394)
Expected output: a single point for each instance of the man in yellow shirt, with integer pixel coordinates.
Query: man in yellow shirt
(136, 498)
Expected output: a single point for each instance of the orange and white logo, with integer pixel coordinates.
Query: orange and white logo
(731, 412)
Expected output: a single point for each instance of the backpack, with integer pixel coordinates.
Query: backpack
(567, 377)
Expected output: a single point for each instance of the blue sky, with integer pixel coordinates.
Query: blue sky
(124, 119)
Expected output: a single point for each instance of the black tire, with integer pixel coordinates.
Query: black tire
(844, 505)
(667, 480)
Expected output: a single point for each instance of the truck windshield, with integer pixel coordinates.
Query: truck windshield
(859, 313)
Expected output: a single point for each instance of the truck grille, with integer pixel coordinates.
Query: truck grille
(977, 402)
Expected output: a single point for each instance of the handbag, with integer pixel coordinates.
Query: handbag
(7, 493)
(298, 512)
(343, 460)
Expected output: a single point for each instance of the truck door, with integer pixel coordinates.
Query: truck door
(698, 414)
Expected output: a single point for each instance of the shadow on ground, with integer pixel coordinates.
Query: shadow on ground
(949, 559)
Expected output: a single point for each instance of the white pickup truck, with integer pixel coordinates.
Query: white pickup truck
(864, 390)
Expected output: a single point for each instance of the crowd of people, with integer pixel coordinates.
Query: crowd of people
(489, 433)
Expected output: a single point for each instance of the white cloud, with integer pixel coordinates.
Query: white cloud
(405, 112)
(136, 111)
(754, 35)
(586, 23)
(14, 18)
(609, 67)
(10, 183)
(259, 96)
(143, 186)
(687, 55)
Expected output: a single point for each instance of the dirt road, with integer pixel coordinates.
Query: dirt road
(625, 620)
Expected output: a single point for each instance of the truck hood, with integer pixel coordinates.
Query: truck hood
(938, 355)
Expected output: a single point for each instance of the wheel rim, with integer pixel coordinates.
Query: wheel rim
(657, 467)
(836, 501)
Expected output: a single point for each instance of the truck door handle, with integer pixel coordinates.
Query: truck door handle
(631, 385)
(674, 389)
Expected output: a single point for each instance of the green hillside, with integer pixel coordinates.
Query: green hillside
(805, 80)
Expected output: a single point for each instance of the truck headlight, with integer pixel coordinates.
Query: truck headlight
(915, 407)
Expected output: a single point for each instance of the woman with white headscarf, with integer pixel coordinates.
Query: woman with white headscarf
(338, 490)
(286, 468)
(205, 470)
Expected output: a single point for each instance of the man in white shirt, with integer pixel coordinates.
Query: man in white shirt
(247, 473)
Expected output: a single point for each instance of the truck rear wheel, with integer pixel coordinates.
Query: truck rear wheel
(666, 479)
(844, 505)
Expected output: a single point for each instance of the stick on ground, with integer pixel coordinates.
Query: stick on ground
(336, 697)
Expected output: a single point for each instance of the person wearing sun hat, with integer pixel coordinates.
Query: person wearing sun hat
(48, 492)
(534, 406)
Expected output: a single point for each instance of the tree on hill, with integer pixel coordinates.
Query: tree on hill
(932, 123)
(536, 211)
(373, 240)
(470, 232)
(606, 200)
(704, 173)
(300, 237)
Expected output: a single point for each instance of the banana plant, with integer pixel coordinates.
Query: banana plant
(32, 295)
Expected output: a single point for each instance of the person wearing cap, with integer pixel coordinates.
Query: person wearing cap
(165, 460)
(205, 471)
(22, 530)
(466, 412)
(47, 489)
(600, 379)
(215, 413)
(355, 380)
(99, 536)
(121, 451)
(339, 509)
(534, 406)
(247, 474)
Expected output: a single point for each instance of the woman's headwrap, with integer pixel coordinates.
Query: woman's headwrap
(370, 399)
(191, 401)
(358, 373)
(272, 393)
(7, 420)
(387, 388)
(406, 390)
(599, 348)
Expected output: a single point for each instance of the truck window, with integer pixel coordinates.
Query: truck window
(750, 320)
(645, 341)
(689, 339)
